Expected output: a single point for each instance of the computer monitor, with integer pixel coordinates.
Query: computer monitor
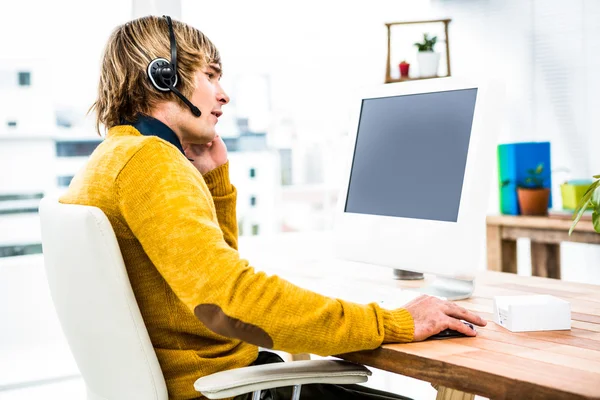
(416, 187)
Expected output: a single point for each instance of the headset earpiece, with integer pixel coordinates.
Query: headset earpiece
(161, 74)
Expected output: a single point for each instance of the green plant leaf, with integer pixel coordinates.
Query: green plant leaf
(583, 203)
(592, 187)
(581, 207)
(539, 169)
(595, 200)
(596, 196)
(596, 176)
(591, 197)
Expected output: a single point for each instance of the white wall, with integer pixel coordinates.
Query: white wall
(20, 103)
(68, 37)
(32, 344)
(140, 8)
(547, 54)
(27, 164)
(319, 53)
(316, 52)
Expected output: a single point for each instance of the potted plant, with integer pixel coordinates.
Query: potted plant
(532, 196)
(591, 198)
(427, 57)
(404, 67)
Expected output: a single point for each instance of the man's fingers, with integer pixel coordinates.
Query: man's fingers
(461, 313)
(460, 327)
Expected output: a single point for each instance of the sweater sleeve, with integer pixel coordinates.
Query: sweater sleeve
(168, 207)
(224, 196)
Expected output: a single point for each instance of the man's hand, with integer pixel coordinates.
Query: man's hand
(432, 315)
(207, 157)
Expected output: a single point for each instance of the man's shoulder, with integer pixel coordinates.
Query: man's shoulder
(96, 182)
(131, 153)
(126, 136)
(117, 150)
(125, 142)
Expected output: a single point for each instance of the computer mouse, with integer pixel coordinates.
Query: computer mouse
(451, 333)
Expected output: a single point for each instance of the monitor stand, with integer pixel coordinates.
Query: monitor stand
(449, 288)
(403, 275)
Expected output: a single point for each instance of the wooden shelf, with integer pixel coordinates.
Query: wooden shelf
(395, 80)
(432, 21)
(388, 68)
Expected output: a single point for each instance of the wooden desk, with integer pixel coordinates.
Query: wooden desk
(497, 364)
(546, 235)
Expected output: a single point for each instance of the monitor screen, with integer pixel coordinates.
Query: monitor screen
(410, 155)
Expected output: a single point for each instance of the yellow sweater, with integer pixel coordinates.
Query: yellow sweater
(206, 309)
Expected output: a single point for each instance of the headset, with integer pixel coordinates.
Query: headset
(163, 73)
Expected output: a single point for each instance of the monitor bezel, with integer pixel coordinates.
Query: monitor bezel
(378, 239)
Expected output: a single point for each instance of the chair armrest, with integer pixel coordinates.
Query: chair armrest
(249, 379)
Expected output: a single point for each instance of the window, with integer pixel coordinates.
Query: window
(19, 209)
(19, 203)
(64, 181)
(24, 78)
(75, 149)
(243, 124)
(252, 172)
(255, 230)
(11, 197)
(12, 251)
(253, 201)
(232, 144)
(285, 157)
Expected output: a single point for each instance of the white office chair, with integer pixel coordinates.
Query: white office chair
(105, 330)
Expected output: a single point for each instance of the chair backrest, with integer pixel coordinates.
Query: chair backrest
(96, 306)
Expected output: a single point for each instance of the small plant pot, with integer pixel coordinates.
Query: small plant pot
(404, 68)
(533, 201)
(572, 193)
(428, 63)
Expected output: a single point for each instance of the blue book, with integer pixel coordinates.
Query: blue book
(515, 160)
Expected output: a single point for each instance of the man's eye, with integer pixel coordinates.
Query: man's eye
(210, 75)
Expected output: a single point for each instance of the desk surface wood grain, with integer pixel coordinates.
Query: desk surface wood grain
(497, 364)
(500, 364)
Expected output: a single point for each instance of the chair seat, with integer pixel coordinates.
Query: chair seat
(260, 377)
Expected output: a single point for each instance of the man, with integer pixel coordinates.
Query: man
(161, 177)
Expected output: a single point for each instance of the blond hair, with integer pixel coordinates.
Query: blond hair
(124, 89)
